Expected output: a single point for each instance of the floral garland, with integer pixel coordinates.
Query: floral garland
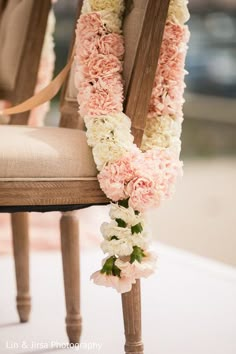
(134, 179)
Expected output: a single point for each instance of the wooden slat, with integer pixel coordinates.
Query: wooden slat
(69, 110)
(31, 54)
(142, 78)
(2, 5)
(51, 193)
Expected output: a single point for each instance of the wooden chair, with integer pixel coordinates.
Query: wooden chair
(52, 169)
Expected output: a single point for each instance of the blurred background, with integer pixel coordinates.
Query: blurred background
(201, 217)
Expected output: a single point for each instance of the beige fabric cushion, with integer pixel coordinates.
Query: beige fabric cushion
(13, 30)
(132, 29)
(44, 153)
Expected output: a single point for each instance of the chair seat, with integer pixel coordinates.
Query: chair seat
(44, 153)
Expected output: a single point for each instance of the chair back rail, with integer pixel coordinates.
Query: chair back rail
(69, 109)
(29, 59)
(140, 86)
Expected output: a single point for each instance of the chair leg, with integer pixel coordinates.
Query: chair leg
(131, 303)
(71, 268)
(20, 237)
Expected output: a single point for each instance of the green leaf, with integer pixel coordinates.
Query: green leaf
(108, 266)
(137, 229)
(137, 254)
(114, 238)
(124, 203)
(116, 271)
(121, 223)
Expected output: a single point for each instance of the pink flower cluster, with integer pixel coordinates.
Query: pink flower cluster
(167, 94)
(98, 77)
(144, 178)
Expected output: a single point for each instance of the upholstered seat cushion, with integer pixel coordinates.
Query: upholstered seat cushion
(44, 153)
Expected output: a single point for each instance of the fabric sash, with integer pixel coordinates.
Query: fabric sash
(44, 95)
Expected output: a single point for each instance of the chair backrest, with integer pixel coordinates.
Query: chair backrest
(143, 28)
(22, 30)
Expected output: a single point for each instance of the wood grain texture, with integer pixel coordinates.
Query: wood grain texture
(70, 117)
(29, 62)
(51, 193)
(131, 303)
(143, 74)
(71, 270)
(2, 6)
(20, 239)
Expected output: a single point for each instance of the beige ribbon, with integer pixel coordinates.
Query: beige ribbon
(44, 95)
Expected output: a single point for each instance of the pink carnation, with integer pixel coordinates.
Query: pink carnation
(138, 270)
(121, 284)
(89, 25)
(141, 191)
(86, 48)
(145, 178)
(112, 83)
(167, 94)
(98, 102)
(112, 43)
(101, 65)
(102, 96)
(115, 175)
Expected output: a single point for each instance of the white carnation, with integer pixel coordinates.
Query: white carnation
(112, 21)
(112, 229)
(141, 240)
(86, 7)
(178, 11)
(113, 120)
(109, 151)
(126, 214)
(110, 128)
(116, 6)
(162, 131)
(120, 248)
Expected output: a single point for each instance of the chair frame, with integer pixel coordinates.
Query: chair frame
(43, 195)
(23, 89)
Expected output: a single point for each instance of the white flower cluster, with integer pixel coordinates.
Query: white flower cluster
(164, 132)
(178, 11)
(120, 240)
(110, 10)
(109, 136)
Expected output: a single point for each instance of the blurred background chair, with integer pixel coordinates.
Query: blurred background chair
(45, 169)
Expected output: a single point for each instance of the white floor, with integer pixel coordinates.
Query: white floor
(189, 307)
